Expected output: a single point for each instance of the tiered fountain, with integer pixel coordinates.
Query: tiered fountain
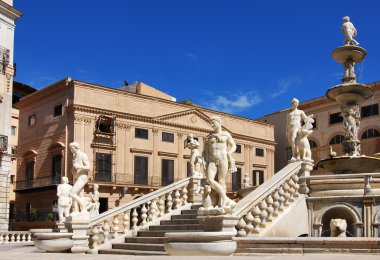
(350, 95)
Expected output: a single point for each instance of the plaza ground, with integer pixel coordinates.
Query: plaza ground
(28, 251)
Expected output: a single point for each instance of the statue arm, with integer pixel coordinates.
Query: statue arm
(85, 163)
(231, 143)
(58, 191)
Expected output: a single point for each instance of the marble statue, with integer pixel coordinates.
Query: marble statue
(349, 30)
(196, 161)
(64, 199)
(338, 227)
(92, 204)
(207, 202)
(80, 170)
(246, 181)
(302, 141)
(351, 121)
(349, 71)
(218, 149)
(293, 126)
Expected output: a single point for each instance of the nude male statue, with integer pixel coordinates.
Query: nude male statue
(64, 199)
(349, 30)
(81, 167)
(195, 157)
(293, 125)
(218, 149)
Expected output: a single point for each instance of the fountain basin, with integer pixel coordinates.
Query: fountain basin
(347, 164)
(349, 52)
(53, 241)
(350, 93)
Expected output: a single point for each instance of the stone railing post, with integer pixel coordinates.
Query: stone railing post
(194, 190)
(79, 228)
(304, 173)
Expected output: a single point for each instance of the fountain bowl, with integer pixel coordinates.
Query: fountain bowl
(53, 241)
(348, 164)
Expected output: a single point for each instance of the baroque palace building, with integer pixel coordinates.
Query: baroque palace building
(134, 137)
(328, 129)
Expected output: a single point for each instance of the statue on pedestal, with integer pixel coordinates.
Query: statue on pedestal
(64, 199)
(349, 30)
(338, 227)
(196, 161)
(218, 149)
(246, 181)
(81, 167)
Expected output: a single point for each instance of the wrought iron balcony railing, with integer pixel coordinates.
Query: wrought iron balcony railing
(4, 59)
(3, 144)
(38, 182)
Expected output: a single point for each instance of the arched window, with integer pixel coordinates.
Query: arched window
(370, 133)
(313, 144)
(338, 139)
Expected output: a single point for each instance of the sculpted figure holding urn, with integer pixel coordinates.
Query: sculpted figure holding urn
(64, 199)
(195, 157)
(81, 167)
(218, 149)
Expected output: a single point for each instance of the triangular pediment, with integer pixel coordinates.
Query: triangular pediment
(191, 117)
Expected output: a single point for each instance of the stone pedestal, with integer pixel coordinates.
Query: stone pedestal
(194, 190)
(6, 164)
(79, 227)
(306, 168)
(217, 222)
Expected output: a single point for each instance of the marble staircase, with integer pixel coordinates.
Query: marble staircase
(152, 241)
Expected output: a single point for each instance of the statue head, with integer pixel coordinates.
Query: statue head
(295, 103)
(216, 122)
(74, 146)
(346, 19)
(96, 187)
(65, 180)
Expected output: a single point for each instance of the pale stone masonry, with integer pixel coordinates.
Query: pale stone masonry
(133, 141)
(8, 15)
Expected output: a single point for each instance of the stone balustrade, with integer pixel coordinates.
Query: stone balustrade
(258, 209)
(14, 237)
(140, 213)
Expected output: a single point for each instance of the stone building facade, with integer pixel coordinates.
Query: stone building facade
(328, 129)
(134, 137)
(8, 16)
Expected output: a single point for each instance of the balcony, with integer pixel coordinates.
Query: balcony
(38, 182)
(4, 59)
(3, 144)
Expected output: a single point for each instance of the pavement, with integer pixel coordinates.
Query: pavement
(28, 251)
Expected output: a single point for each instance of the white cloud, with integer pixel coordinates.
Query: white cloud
(235, 103)
(191, 56)
(284, 84)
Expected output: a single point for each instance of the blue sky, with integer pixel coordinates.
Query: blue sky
(245, 57)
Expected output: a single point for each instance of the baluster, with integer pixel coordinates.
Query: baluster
(177, 200)
(184, 196)
(29, 237)
(144, 216)
(169, 203)
(95, 236)
(135, 220)
(22, 236)
(106, 231)
(115, 225)
(264, 214)
(276, 203)
(12, 240)
(161, 206)
(282, 199)
(126, 221)
(241, 225)
(154, 210)
(270, 209)
(287, 194)
(149, 211)
(18, 238)
(249, 219)
(256, 219)
(292, 190)
(296, 185)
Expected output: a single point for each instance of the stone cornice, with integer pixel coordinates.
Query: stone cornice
(9, 11)
(151, 120)
(136, 150)
(167, 154)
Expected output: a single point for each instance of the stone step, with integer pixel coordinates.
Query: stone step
(197, 206)
(129, 252)
(147, 240)
(189, 211)
(179, 222)
(140, 246)
(176, 227)
(160, 233)
(185, 216)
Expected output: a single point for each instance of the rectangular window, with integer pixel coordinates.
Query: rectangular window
(29, 170)
(32, 120)
(336, 118)
(141, 170)
(238, 148)
(141, 133)
(167, 137)
(257, 177)
(56, 168)
(371, 110)
(167, 172)
(236, 180)
(105, 125)
(188, 169)
(260, 152)
(103, 167)
(58, 110)
(13, 130)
